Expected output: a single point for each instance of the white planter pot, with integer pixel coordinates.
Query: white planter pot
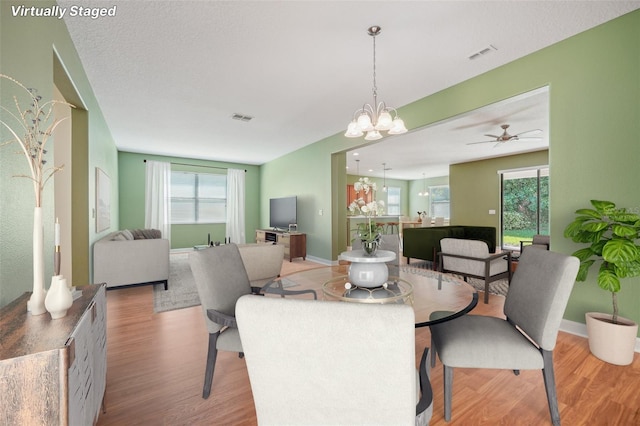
(613, 343)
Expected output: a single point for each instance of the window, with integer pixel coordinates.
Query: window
(393, 201)
(198, 198)
(525, 205)
(439, 201)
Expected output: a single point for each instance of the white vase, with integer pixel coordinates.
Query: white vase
(368, 275)
(613, 343)
(35, 305)
(59, 298)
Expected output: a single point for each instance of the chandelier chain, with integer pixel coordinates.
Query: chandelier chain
(375, 86)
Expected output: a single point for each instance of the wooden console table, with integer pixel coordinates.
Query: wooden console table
(53, 371)
(295, 243)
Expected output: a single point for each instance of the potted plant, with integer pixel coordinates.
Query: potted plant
(612, 234)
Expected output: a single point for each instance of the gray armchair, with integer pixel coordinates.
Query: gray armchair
(221, 279)
(538, 241)
(471, 258)
(330, 363)
(533, 307)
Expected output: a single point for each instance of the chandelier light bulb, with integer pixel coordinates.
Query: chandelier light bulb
(384, 121)
(373, 135)
(364, 122)
(353, 131)
(398, 127)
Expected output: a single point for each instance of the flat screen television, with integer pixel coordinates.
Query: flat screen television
(283, 212)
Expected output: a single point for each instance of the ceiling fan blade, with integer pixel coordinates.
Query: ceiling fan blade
(473, 143)
(529, 131)
(493, 136)
(528, 138)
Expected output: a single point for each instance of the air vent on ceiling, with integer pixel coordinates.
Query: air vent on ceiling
(241, 117)
(482, 52)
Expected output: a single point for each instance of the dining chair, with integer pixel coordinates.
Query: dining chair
(330, 363)
(221, 279)
(525, 340)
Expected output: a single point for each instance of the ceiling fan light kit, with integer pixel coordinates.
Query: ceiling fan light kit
(376, 117)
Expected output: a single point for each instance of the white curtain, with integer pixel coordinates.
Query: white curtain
(157, 201)
(235, 206)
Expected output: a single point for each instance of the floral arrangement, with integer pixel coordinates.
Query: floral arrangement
(367, 231)
(32, 122)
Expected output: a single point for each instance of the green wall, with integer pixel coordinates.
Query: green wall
(38, 52)
(594, 87)
(131, 193)
(475, 187)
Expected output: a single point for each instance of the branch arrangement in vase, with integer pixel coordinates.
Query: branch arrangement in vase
(30, 129)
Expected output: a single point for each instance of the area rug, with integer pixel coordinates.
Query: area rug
(182, 292)
(499, 287)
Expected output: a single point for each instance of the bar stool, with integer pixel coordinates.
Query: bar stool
(392, 225)
(381, 225)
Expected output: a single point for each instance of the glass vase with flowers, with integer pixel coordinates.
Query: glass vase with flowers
(368, 232)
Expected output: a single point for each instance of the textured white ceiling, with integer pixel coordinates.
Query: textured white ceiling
(169, 74)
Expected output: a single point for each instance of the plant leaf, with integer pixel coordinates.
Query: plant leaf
(595, 226)
(583, 254)
(623, 230)
(620, 250)
(623, 216)
(603, 207)
(607, 279)
(583, 271)
(592, 214)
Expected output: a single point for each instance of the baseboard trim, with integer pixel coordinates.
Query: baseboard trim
(580, 329)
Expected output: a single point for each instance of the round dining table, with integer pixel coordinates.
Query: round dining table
(435, 297)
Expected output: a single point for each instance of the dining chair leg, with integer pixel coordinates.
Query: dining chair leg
(212, 354)
(433, 352)
(550, 386)
(448, 391)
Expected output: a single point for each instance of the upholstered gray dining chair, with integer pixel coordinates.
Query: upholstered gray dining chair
(534, 307)
(221, 279)
(330, 363)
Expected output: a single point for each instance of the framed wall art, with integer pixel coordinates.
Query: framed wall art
(103, 200)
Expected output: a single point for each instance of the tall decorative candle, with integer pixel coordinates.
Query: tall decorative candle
(56, 252)
(56, 234)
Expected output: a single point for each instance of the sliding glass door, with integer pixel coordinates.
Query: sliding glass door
(525, 205)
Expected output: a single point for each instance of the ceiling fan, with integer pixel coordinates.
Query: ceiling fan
(506, 137)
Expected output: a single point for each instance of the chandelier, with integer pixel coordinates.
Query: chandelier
(376, 117)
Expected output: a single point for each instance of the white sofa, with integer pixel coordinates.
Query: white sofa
(120, 260)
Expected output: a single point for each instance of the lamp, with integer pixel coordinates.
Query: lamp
(375, 118)
(424, 192)
(384, 177)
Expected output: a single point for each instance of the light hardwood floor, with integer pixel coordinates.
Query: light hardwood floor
(156, 367)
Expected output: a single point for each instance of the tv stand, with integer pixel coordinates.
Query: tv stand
(295, 243)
